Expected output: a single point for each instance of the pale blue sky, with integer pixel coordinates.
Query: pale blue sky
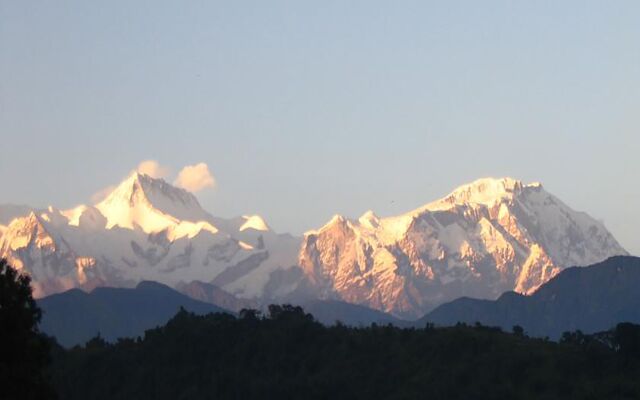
(303, 110)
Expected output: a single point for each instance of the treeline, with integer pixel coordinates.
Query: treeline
(287, 355)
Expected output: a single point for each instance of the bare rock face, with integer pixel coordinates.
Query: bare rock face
(481, 240)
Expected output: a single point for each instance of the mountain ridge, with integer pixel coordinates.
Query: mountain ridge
(592, 298)
(482, 239)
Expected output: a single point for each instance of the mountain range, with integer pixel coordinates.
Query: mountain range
(485, 238)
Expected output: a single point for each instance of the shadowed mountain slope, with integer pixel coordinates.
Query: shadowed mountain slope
(73, 317)
(590, 299)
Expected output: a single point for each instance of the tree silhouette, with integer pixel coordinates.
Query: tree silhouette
(288, 312)
(24, 352)
(626, 340)
(518, 330)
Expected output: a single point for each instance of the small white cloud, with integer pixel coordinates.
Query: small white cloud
(102, 194)
(153, 169)
(194, 178)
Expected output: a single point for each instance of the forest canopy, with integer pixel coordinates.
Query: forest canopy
(286, 354)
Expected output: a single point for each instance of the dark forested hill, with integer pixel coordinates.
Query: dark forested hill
(288, 355)
(590, 299)
(73, 317)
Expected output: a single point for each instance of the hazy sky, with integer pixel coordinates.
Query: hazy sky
(306, 109)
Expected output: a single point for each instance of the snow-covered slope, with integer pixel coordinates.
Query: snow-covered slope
(484, 238)
(146, 229)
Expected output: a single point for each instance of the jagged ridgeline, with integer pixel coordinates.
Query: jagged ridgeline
(485, 238)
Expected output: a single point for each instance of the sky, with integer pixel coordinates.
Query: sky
(301, 110)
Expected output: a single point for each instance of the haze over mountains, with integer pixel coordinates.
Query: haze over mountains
(74, 317)
(487, 237)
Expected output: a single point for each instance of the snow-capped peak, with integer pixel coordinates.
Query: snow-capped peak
(150, 203)
(138, 186)
(485, 191)
(25, 230)
(369, 219)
